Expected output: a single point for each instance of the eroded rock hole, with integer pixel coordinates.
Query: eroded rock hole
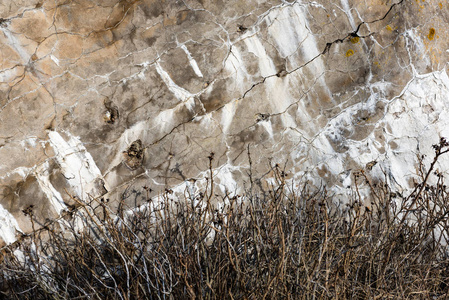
(112, 114)
(134, 155)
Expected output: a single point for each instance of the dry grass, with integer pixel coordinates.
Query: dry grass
(295, 245)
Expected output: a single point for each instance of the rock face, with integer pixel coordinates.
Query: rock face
(109, 96)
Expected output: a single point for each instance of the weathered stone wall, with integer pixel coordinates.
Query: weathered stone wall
(98, 96)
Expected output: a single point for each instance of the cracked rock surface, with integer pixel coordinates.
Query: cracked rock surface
(98, 98)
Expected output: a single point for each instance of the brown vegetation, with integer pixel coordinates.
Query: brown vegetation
(287, 244)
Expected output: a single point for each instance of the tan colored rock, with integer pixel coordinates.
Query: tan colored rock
(320, 87)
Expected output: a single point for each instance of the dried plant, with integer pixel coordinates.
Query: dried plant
(282, 244)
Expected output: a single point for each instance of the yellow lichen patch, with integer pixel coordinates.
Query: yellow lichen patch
(350, 52)
(440, 5)
(389, 28)
(431, 34)
(355, 40)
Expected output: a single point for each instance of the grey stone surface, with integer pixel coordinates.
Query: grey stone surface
(105, 97)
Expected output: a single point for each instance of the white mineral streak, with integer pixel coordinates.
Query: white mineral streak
(6, 75)
(28, 142)
(180, 93)
(43, 178)
(268, 128)
(414, 121)
(15, 44)
(8, 226)
(348, 13)
(276, 88)
(323, 153)
(289, 29)
(164, 120)
(192, 61)
(21, 171)
(226, 180)
(54, 59)
(76, 164)
(266, 65)
(235, 66)
(227, 115)
(418, 45)
(315, 4)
